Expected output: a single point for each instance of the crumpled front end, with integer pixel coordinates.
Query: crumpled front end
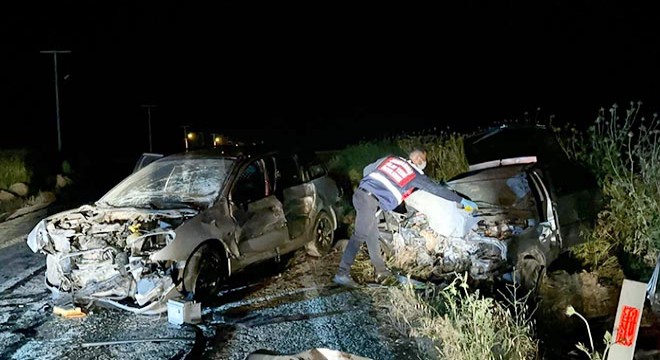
(436, 240)
(100, 254)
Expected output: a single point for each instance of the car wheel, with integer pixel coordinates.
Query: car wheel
(205, 272)
(323, 235)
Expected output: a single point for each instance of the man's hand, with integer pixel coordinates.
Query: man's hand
(469, 206)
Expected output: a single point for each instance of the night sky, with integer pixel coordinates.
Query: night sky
(323, 75)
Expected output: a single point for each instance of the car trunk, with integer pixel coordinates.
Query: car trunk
(574, 190)
(513, 142)
(504, 195)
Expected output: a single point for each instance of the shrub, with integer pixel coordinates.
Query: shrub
(14, 168)
(445, 153)
(623, 151)
(454, 323)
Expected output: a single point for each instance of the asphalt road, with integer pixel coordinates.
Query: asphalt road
(288, 308)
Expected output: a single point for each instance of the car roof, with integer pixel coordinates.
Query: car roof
(227, 151)
(242, 152)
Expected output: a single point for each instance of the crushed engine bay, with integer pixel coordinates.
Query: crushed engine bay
(434, 240)
(100, 255)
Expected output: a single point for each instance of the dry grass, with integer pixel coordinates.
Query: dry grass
(455, 323)
(13, 168)
(622, 149)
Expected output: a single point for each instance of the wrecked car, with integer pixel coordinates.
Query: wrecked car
(533, 206)
(184, 223)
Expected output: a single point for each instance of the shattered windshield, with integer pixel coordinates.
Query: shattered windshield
(171, 184)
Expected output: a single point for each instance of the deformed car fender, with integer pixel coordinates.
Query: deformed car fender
(189, 236)
(37, 238)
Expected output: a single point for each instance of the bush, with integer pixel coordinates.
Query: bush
(14, 168)
(623, 151)
(346, 166)
(454, 323)
(445, 153)
(445, 156)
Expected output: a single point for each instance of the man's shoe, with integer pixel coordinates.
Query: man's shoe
(384, 276)
(345, 280)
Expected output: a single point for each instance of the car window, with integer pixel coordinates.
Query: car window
(251, 184)
(315, 171)
(289, 171)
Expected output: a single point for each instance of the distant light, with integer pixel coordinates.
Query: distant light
(192, 136)
(217, 141)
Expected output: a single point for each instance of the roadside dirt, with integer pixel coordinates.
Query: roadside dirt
(596, 298)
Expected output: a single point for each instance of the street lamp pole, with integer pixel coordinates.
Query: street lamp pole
(185, 135)
(149, 123)
(57, 93)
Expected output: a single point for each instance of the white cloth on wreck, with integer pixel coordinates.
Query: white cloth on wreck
(443, 215)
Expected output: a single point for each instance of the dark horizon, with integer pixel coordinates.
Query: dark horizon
(317, 76)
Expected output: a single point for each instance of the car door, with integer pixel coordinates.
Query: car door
(298, 194)
(547, 207)
(146, 159)
(257, 211)
(577, 198)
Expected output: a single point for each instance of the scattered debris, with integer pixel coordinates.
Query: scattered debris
(69, 313)
(181, 311)
(313, 354)
(131, 341)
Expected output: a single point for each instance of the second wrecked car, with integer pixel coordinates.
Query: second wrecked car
(184, 223)
(533, 205)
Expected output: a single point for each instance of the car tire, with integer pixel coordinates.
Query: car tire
(322, 237)
(205, 272)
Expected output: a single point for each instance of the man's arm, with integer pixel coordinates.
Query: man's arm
(425, 183)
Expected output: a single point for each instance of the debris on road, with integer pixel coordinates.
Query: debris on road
(70, 313)
(313, 354)
(181, 311)
(132, 341)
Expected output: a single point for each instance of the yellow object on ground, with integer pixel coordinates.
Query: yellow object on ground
(69, 313)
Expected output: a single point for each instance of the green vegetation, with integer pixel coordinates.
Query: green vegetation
(347, 165)
(591, 351)
(445, 156)
(32, 169)
(455, 323)
(14, 168)
(622, 150)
